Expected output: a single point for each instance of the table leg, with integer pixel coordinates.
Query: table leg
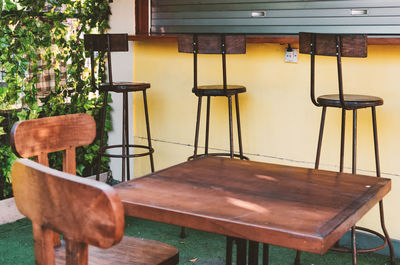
(297, 259)
(265, 254)
(253, 253)
(229, 247)
(241, 251)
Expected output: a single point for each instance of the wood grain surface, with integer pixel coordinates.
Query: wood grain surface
(85, 212)
(294, 207)
(46, 135)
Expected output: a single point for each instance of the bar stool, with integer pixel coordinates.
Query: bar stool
(345, 45)
(107, 43)
(215, 44)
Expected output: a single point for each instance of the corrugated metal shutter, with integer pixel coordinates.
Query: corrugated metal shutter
(276, 16)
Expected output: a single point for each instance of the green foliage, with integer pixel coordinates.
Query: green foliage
(38, 35)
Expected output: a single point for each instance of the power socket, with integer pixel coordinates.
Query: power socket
(291, 55)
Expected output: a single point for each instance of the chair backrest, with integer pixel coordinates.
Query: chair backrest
(211, 44)
(337, 45)
(106, 43)
(84, 211)
(37, 138)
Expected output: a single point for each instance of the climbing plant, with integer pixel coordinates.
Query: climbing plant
(45, 69)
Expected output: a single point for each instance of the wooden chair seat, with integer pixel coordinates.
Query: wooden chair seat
(352, 101)
(121, 87)
(130, 250)
(218, 90)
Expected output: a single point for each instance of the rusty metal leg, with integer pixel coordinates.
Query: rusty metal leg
(123, 136)
(126, 122)
(297, 259)
(321, 132)
(230, 126)
(103, 115)
(207, 125)
(146, 112)
(354, 157)
(378, 174)
(196, 136)
(229, 247)
(265, 254)
(342, 139)
(241, 251)
(253, 253)
(183, 232)
(354, 245)
(238, 126)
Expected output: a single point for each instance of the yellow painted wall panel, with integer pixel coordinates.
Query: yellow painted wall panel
(279, 122)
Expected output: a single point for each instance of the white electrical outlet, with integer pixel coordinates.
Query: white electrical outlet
(291, 56)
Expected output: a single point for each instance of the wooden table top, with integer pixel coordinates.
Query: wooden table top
(293, 207)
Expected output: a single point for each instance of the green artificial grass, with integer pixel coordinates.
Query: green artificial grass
(199, 248)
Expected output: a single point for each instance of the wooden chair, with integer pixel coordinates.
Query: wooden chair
(85, 212)
(344, 45)
(69, 205)
(108, 43)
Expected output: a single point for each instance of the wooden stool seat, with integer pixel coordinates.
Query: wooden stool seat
(130, 250)
(218, 90)
(352, 101)
(120, 87)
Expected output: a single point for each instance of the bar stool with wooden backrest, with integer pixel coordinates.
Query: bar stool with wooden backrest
(215, 44)
(108, 43)
(345, 45)
(80, 202)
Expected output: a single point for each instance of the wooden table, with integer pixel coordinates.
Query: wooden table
(293, 207)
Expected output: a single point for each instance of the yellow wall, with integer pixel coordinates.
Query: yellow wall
(279, 122)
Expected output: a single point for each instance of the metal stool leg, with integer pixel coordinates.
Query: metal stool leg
(321, 132)
(354, 245)
(238, 126)
(230, 126)
(196, 136)
(207, 125)
(354, 157)
(123, 137)
(126, 128)
(342, 139)
(102, 126)
(378, 174)
(146, 112)
(265, 254)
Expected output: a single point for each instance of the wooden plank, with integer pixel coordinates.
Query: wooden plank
(282, 39)
(80, 209)
(47, 135)
(294, 207)
(325, 44)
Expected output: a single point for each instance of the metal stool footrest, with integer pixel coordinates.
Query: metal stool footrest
(367, 250)
(102, 153)
(219, 154)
